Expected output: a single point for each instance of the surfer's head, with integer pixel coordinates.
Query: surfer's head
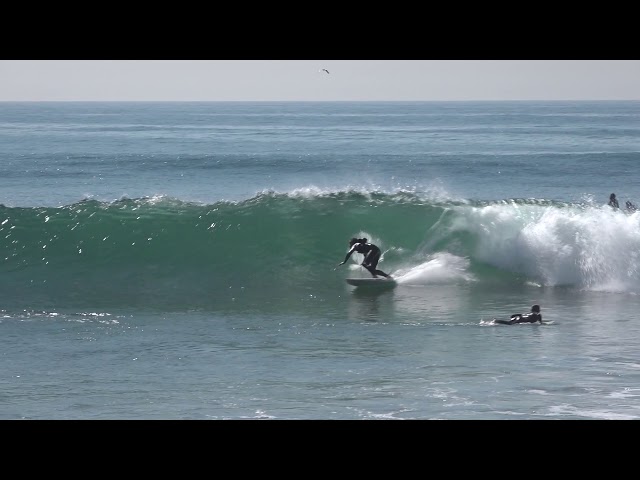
(612, 196)
(535, 309)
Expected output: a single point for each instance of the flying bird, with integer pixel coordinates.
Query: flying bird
(324, 70)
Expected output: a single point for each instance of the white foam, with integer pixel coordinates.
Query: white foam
(593, 248)
(442, 267)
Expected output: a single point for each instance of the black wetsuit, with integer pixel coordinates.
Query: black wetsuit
(531, 317)
(371, 257)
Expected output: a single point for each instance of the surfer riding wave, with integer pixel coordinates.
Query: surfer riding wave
(371, 254)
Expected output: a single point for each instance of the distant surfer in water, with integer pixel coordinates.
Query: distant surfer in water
(371, 255)
(532, 317)
(613, 201)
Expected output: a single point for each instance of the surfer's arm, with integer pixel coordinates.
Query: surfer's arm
(347, 256)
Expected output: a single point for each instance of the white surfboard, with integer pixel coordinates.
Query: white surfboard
(371, 282)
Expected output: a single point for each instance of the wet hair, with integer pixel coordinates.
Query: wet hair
(535, 309)
(355, 240)
(612, 196)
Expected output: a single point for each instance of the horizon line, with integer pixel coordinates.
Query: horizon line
(324, 101)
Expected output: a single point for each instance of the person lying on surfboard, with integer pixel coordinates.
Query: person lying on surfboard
(371, 255)
(531, 317)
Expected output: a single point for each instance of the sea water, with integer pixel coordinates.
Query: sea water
(180, 260)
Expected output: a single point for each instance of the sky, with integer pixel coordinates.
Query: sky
(304, 80)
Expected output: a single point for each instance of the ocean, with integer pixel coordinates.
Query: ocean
(179, 261)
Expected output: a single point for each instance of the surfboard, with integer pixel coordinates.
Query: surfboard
(502, 322)
(371, 282)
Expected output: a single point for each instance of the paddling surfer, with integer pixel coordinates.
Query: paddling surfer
(532, 317)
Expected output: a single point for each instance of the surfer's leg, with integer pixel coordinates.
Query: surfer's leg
(372, 260)
(372, 271)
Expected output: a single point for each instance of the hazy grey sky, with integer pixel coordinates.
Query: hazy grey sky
(273, 80)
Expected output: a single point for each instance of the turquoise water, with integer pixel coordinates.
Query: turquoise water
(177, 260)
